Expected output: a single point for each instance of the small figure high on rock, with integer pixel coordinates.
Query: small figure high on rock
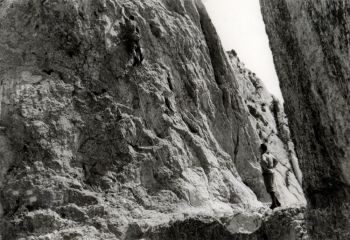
(131, 38)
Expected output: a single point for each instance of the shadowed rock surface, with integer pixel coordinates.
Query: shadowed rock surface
(310, 44)
(93, 147)
(290, 222)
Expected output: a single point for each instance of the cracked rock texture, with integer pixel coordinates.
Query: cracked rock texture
(266, 115)
(310, 41)
(93, 147)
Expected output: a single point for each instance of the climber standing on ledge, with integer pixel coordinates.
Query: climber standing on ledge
(131, 38)
(268, 164)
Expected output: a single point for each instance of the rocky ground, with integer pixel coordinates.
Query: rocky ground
(245, 226)
(94, 147)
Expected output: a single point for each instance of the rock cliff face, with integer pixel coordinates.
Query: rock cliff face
(310, 44)
(93, 147)
(266, 115)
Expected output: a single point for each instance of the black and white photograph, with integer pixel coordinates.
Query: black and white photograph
(174, 119)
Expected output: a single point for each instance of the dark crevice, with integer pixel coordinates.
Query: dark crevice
(48, 71)
(236, 144)
(170, 82)
(100, 92)
(217, 55)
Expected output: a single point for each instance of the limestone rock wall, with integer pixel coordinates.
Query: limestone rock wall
(93, 147)
(310, 44)
(266, 115)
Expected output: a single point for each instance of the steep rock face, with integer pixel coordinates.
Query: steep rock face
(93, 147)
(267, 117)
(310, 44)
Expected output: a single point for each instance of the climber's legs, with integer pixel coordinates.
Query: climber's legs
(275, 202)
(269, 180)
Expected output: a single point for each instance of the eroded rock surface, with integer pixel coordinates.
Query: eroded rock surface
(310, 44)
(266, 115)
(93, 147)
